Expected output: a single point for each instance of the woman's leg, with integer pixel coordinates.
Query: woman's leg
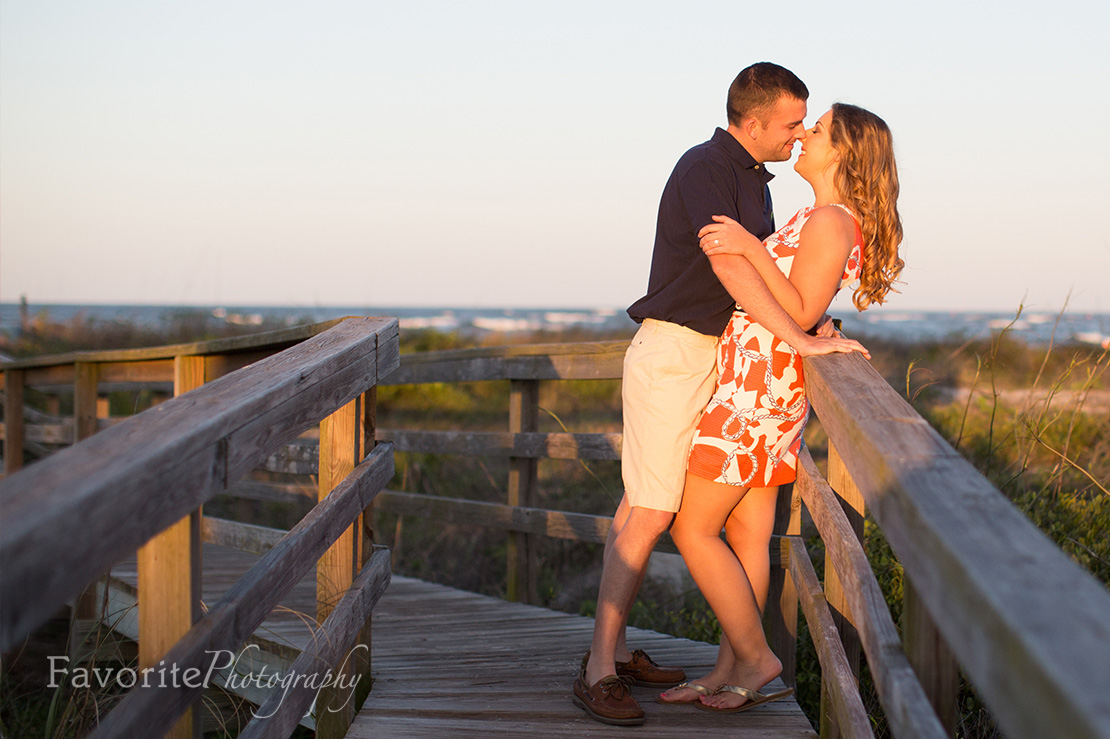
(748, 532)
(706, 506)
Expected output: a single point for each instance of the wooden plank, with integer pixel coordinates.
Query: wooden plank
(851, 501)
(361, 655)
(523, 418)
(244, 537)
(932, 660)
(298, 457)
(188, 448)
(86, 377)
(490, 643)
(501, 444)
(85, 381)
(170, 574)
(60, 434)
(557, 524)
(285, 708)
(582, 361)
(780, 618)
(278, 491)
(340, 446)
(843, 689)
(280, 339)
(13, 420)
(59, 376)
(218, 365)
(147, 710)
(904, 702)
(1039, 656)
(152, 370)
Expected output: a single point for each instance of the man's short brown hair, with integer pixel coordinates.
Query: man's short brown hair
(756, 89)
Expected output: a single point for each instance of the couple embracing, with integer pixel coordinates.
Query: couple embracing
(713, 394)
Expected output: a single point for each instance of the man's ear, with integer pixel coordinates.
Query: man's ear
(751, 127)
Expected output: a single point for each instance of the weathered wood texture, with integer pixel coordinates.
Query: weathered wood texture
(904, 702)
(340, 449)
(13, 421)
(932, 660)
(145, 711)
(512, 668)
(852, 503)
(499, 444)
(521, 575)
(587, 361)
(243, 537)
(780, 614)
(169, 574)
(187, 448)
(847, 708)
(559, 524)
(1027, 624)
(270, 340)
(284, 709)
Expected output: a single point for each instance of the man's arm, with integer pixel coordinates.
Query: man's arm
(741, 279)
(708, 189)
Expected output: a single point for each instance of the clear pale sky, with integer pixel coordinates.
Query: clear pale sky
(513, 153)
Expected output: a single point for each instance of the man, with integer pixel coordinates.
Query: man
(670, 368)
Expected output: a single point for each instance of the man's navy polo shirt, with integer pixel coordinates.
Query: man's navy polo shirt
(718, 177)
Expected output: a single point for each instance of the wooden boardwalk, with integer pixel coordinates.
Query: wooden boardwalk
(452, 663)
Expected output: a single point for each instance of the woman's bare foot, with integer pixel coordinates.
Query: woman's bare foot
(750, 676)
(687, 692)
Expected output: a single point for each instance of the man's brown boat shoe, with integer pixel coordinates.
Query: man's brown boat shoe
(643, 671)
(609, 701)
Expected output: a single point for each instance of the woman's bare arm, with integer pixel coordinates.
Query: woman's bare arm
(826, 242)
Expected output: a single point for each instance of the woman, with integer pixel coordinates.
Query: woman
(747, 441)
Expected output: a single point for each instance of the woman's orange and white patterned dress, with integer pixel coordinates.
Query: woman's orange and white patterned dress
(751, 431)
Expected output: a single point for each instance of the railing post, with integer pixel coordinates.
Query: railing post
(360, 660)
(780, 617)
(522, 566)
(86, 379)
(932, 660)
(341, 441)
(13, 420)
(86, 611)
(851, 500)
(170, 574)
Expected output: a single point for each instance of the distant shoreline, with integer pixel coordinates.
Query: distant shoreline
(895, 325)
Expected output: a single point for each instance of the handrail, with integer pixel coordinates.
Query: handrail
(932, 506)
(193, 445)
(1028, 625)
(232, 344)
(159, 466)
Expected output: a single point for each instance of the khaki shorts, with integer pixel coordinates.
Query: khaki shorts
(669, 375)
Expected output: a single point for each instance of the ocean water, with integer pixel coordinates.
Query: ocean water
(908, 326)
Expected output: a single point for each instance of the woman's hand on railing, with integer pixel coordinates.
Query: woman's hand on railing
(816, 345)
(828, 326)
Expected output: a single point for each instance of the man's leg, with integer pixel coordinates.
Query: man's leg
(622, 573)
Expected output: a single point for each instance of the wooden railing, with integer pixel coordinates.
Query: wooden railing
(139, 484)
(984, 590)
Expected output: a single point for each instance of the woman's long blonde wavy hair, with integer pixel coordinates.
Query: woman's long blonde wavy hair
(867, 180)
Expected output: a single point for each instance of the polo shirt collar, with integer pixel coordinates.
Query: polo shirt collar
(739, 154)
